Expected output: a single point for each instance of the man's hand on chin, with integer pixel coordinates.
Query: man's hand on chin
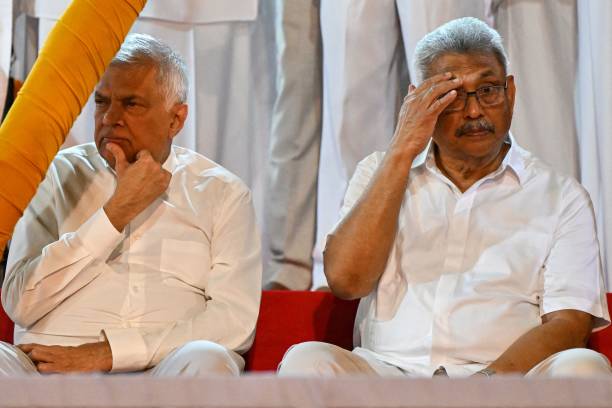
(89, 357)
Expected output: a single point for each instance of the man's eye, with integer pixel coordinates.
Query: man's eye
(486, 90)
(99, 101)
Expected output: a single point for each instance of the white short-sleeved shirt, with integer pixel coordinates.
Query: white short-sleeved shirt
(471, 272)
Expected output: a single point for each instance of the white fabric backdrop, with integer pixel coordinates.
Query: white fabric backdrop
(540, 39)
(594, 114)
(6, 29)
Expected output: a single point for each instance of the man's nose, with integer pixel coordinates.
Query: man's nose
(113, 115)
(472, 107)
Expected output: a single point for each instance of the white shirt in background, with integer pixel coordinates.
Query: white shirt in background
(187, 268)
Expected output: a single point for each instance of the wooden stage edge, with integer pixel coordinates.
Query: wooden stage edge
(265, 390)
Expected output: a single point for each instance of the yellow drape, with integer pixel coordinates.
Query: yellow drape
(74, 57)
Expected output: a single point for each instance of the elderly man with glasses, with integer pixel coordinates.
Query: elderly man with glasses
(470, 255)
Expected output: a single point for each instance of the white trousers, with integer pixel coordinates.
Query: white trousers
(323, 359)
(194, 359)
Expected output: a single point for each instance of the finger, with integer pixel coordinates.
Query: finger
(40, 355)
(441, 89)
(26, 348)
(411, 88)
(121, 162)
(445, 76)
(48, 368)
(441, 103)
(143, 154)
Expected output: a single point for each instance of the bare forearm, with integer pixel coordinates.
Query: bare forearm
(357, 251)
(540, 343)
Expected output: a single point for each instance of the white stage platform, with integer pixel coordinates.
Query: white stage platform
(269, 391)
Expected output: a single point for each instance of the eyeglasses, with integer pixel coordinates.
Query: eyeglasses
(487, 96)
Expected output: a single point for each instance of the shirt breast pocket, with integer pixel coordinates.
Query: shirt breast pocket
(185, 262)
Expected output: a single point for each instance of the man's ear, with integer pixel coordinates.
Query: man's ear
(179, 115)
(511, 93)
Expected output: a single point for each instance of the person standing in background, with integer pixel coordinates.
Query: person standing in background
(295, 139)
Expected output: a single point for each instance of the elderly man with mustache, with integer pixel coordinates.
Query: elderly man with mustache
(470, 255)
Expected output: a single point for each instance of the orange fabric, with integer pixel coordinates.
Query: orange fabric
(73, 59)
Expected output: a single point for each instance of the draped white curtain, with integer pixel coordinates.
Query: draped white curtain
(6, 28)
(594, 114)
(559, 51)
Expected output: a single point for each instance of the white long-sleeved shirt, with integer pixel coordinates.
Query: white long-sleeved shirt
(188, 267)
(470, 272)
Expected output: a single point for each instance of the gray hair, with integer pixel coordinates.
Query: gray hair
(466, 35)
(144, 50)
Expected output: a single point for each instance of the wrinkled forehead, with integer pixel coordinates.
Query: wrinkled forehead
(132, 79)
(470, 67)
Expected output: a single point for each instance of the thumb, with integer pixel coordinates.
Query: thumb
(120, 161)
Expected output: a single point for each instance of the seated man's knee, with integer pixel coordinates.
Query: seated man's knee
(14, 362)
(200, 358)
(577, 362)
(311, 358)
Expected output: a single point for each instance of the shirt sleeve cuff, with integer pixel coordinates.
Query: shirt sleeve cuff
(129, 349)
(99, 236)
(599, 311)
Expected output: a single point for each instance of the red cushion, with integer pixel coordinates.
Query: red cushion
(287, 318)
(6, 327)
(602, 340)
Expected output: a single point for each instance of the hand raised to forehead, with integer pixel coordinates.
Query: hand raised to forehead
(138, 185)
(420, 110)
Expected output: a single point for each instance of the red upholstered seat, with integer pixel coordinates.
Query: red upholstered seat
(287, 318)
(602, 340)
(6, 327)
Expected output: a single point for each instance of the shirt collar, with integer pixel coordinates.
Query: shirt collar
(514, 159)
(170, 163)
